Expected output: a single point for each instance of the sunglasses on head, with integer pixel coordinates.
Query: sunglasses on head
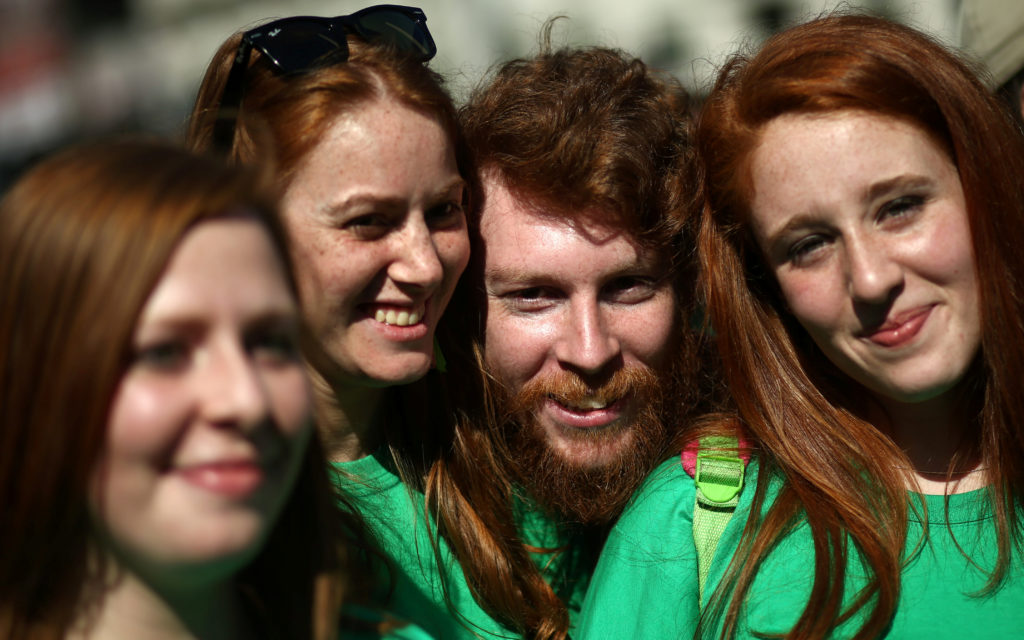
(303, 43)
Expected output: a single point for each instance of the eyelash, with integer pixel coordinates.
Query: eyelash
(632, 289)
(529, 299)
(372, 226)
(444, 215)
(798, 253)
(900, 207)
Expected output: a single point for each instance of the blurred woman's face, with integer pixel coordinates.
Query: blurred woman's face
(375, 216)
(209, 424)
(863, 221)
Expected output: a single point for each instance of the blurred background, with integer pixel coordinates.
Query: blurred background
(75, 69)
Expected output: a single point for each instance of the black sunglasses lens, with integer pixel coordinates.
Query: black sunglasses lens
(399, 29)
(298, 46)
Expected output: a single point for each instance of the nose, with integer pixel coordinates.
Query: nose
(873, 275)
(416, 261)
(586, 344)
(233, 390)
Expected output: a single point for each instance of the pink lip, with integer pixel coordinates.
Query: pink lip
(900, 329)
(233, 479)
(401, 334)
(585, 418)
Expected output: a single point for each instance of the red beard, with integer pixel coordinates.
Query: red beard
(587, 493)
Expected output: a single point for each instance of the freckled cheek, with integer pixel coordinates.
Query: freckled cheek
(313, 264)
(816, 304)
(516, 349)
(649, 332)
(453, 252)
(329, 282)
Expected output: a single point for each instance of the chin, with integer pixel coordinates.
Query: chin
(394, 376)
(914, 391)
(207, 554)
(590, 451)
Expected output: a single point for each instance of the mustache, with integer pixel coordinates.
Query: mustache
(560, 485)
(569, 388)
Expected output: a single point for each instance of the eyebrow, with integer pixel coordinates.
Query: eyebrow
(272, 315)
(364, 199)
(873, 192)
(902, 181)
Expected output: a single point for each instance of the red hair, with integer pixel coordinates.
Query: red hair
(794, 404)
(570, 131)
(84, 238)
(282, 117)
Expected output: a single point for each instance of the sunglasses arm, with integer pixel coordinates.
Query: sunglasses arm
(231, 99)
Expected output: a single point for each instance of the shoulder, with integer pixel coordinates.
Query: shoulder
(661, 509)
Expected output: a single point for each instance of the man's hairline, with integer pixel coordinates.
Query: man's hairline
(546, 208)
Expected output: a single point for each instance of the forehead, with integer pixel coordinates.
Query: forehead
(378, 142)
(221, 263)
(522, 242)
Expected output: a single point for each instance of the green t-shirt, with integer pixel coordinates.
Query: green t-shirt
(397, 630)
(395, 516)
(645, 584)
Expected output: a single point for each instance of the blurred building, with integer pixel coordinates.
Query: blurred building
(77, 69)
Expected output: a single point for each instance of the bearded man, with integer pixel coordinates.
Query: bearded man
(576, 306)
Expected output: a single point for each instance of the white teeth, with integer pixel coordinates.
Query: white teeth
(593, 403)
(399, 318)
(586, 404)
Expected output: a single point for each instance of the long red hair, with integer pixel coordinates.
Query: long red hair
(84, 238)
(795, 405)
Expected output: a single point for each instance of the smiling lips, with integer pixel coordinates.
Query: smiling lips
(589, 412)
(588, 403)
(399, 316)
(231, 478)
(901, 329)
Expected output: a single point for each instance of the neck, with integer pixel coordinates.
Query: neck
(347, 417)
(132, 608)
(932, 434)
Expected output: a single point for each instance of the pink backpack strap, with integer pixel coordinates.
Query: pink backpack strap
(689, 455)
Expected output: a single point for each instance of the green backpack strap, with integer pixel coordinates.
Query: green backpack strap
(718, 475)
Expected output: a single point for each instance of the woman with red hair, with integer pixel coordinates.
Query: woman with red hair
(860, 247)
(160, 476)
